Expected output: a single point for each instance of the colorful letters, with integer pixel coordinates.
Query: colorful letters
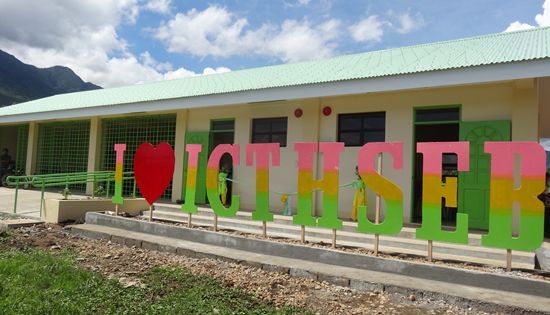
(503, 195)
(119, 169)
(329, 184)
(193, 151)
(393, 221)
(212, 170)
(434, 188)
(262, 152)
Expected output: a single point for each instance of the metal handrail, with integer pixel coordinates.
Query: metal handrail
(64, 180)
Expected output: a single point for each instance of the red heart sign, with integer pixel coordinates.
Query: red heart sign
(153, 169)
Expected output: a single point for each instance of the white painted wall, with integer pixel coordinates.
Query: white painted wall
(282, 178)
(504, 101)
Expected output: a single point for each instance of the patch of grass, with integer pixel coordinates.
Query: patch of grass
(36, 282)
(5, 235)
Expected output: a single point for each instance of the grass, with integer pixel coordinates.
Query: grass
(37, 282)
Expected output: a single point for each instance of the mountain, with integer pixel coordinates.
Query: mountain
(20, 82)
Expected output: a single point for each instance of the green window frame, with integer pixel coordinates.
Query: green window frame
(63, 148)
(133, 131)
(22, 144)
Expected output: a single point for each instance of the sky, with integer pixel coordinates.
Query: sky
(122, 42)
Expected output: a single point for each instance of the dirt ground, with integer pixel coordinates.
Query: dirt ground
(124, 263)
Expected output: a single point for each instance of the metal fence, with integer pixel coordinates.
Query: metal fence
(66, 180)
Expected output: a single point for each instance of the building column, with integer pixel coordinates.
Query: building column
(317, 164)
(93, 150)
(179, 151)
(32, 146)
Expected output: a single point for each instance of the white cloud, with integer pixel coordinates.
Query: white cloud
(297, 41)
(517, 26)
(541, 20)
(368, 30)
(407, 23)
(209, 70)
(159, 6)
(218, 32)
(297, 3)
(214, 31)
(84, 39)
(544, 18)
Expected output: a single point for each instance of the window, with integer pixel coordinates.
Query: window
(269, 130)
(439, 114)
(222, 125)
(357, 129)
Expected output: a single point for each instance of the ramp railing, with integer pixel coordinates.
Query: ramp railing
(65, 180)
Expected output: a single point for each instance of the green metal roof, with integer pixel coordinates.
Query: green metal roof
(469, 52)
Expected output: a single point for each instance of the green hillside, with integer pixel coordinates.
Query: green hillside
(20, 82)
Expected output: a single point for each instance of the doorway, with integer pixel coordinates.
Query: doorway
(222, 131)
(435, 125)
(474, 185)
(15, 140)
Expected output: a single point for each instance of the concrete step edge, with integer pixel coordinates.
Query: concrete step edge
(404, 240)
(406, 230)
(526, 262)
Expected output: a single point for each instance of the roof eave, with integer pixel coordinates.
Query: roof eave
(431, 79)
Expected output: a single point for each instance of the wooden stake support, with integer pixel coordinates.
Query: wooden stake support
(150, 213)
(116, 210)
(264, 229)
(215, 223)
(377, 208)
(430, 250)
(333, 238)
(303, 234)
(189, 225)
(508, 260)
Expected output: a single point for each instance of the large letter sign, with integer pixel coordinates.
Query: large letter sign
(329, 184)
(193, 151)
(154, 167)
(393, 221)
(212, 180)
(433, 190)
(119, 169)
(262, 152)
(503, 195)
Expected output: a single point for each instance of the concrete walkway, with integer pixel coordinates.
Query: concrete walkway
(28, 201)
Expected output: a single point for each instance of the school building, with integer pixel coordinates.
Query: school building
(493, 87)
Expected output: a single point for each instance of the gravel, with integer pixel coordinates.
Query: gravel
(125, 263)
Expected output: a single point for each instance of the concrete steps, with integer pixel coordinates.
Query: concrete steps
(405, 242)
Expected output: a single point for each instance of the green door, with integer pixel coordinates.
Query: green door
(473, 186)
(201, 137)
